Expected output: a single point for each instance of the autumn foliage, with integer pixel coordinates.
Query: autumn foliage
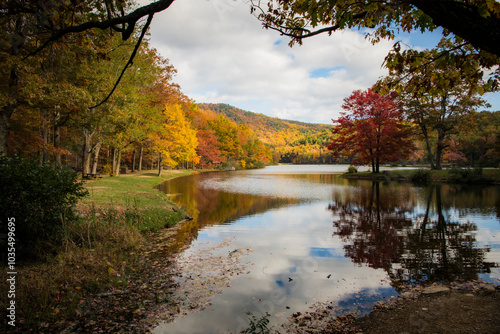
(372, 130)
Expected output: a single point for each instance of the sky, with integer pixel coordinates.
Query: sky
(223, 55)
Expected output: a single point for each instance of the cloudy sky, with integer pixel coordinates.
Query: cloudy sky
(223, 55)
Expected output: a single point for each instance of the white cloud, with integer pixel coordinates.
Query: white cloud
(222, 54)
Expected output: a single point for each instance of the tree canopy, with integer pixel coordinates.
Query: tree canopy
(477, 21)
(373, 131)
(441, 97)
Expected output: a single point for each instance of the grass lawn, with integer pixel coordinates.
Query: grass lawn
(135, 196)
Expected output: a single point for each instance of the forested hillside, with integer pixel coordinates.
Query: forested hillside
(290, 141)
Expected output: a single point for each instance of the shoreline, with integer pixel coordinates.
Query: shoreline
(104, 260)
(420, 309)
(427, 176)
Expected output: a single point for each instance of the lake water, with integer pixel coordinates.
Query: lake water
(280, 239)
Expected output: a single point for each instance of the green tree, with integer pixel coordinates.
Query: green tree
(439, 97)
(478, 145)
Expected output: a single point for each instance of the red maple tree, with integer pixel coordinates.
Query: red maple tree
(372, 131)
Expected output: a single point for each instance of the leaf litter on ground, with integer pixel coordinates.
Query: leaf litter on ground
(171, 282)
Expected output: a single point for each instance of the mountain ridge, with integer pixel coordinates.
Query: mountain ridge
(266, 126)
(290, 141)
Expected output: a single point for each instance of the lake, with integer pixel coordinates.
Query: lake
(286, 238)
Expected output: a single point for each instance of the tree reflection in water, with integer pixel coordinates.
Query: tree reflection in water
(382, 227)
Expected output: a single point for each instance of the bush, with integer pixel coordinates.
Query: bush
(352, 170)
(259, 326)
(228, 166)
(41, 199)
(421, 176)
(467, 175)
(107, 170)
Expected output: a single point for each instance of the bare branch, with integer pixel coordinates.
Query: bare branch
(130, 20)
(130, 61)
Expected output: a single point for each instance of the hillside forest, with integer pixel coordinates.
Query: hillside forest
(63, 107)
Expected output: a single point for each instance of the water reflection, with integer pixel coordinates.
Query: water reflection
(225, 197)
(391, 232)
(384, 226)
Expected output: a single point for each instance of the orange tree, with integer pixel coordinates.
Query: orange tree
(373, 131)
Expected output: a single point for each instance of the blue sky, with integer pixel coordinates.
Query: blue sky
(222, 54)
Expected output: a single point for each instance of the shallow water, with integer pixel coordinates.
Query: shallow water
(279, 239)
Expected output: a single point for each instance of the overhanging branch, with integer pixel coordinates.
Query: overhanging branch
(130, 61)
(129, 20)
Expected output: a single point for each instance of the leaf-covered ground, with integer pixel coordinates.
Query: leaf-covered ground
(168, 285)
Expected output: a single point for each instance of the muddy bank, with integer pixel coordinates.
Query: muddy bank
(454, 308)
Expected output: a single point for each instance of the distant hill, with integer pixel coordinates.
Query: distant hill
(271, 130)
(290, 141)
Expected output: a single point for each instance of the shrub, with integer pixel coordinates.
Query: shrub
(352, 170)
(467, 175)
(228, 166)
(421, 176)
(107, 170)
(259, 326)
(41, 199)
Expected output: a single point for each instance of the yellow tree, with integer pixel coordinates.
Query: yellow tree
(175, 140)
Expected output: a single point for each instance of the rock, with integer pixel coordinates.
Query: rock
(487, 290)
(434, 289)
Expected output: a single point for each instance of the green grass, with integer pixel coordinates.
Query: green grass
(136, 197)
(101, 249)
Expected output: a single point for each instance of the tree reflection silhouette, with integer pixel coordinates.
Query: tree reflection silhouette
(382, 227)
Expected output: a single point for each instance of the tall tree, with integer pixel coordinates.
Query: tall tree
(373, 131)
(31, 28)
(175, 139)
(440, 97)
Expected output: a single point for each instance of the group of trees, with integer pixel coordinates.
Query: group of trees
(387, 128)
(92, 99)
(437, 97)
(439, 89)
(289, 141)
(80, 77)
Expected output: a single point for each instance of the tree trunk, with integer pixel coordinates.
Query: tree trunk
(7, 111)
(87, 149)
(439, 148)
(118, 156)
(160, 160)
(133, 161)
(372, 159)
(5, 115)
(430, 156)
(57, 139)
(113, 162)
(45, 137)
(140, 158)
(95, 160)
